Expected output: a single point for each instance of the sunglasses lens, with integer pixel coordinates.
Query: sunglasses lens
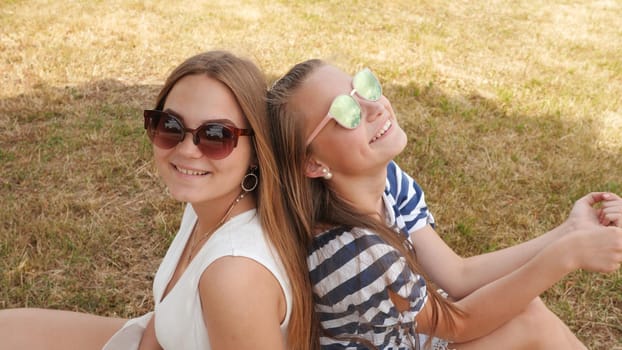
(367, 85)
(216, 140)
(163, 130)
(346, 111)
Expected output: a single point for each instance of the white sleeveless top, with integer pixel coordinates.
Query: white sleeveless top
(179, 321)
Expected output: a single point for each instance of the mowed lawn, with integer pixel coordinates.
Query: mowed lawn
(513, 111)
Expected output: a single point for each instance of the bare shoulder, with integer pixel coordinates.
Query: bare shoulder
(234, 274)
(243, 303)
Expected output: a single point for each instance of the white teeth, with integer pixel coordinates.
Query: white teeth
(381, 132)
(190, 172)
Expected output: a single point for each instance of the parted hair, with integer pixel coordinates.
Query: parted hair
(313, 204)
(248, 84)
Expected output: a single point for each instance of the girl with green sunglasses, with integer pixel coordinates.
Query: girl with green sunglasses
(375, 262)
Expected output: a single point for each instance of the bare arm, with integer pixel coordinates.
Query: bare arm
(461, 276)
(243, 305)
(55, 329)
(598, 250)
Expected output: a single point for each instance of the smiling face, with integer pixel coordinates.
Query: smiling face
(189, 175)
(370, 146)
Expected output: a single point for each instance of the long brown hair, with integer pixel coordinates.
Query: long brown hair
(248, 84)
(312, 203)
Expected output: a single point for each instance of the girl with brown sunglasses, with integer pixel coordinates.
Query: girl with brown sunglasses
(231, 278)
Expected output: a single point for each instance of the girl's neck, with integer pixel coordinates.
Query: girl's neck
(210, 214)
(363, 191)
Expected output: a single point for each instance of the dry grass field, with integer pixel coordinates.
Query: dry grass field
(513, 111)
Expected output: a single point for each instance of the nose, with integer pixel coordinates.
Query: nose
(371, 110)
(189, 146)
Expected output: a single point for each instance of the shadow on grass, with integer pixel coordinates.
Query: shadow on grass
(468, 150)
(84, 220)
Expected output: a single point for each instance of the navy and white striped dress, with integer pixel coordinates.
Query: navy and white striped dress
(352, 269)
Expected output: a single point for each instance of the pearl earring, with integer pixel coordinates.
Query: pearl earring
(327, 174)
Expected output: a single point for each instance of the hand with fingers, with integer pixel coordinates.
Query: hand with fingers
(596, 209)
(610, 212)
(595, 243)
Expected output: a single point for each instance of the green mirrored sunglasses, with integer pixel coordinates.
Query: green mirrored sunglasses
(345, 109)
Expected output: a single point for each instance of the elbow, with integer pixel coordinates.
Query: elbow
(454, 325)
(460, 286)
(462, 328)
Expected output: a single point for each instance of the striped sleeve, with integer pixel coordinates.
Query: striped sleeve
(407, 200)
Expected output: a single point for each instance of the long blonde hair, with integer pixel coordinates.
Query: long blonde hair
(312, 203)
(247, 83)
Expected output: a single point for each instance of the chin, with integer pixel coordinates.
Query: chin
(183, 195)
(399, 142)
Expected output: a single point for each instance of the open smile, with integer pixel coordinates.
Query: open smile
(190, 171)
(387, 125)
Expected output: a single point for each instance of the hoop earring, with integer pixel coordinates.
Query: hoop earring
(327, 174)
(250, 181)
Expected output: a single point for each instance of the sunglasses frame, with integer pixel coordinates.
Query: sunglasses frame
(152, 114)
(328, 116)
